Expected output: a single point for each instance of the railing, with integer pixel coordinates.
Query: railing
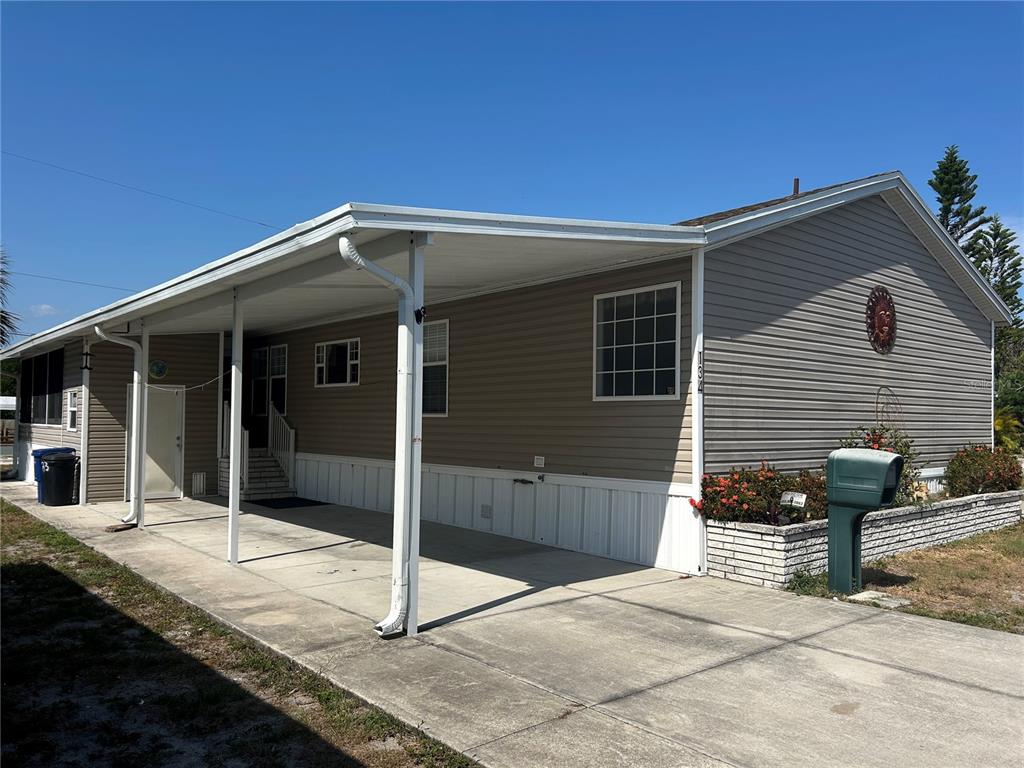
(281, 443)
(225, 448)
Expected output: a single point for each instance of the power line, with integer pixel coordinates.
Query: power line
(74, 282)
(138, 189)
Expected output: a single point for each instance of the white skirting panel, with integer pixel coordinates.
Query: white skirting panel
(637, 521)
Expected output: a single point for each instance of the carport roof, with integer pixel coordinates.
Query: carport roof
(299, 279)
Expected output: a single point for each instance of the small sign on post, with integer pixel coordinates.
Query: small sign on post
(794, 499)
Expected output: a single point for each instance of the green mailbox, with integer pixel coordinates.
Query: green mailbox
(860, 480)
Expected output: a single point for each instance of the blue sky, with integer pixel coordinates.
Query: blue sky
(654, 112)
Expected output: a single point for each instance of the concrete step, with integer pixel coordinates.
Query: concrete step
(260, 495)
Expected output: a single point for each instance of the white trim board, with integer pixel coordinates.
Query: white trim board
(584, 481)
(632, 521)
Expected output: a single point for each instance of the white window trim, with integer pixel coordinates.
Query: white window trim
(446, 364)
(359, 362)
(71, 410)
(271, 376)
(593, 343)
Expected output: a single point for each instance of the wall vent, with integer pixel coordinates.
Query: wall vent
(198, 484)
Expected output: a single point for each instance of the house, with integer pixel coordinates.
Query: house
(557, 380)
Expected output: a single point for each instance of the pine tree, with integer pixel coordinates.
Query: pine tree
(998, 258)
(955, 186)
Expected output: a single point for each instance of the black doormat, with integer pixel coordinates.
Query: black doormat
(289, 503)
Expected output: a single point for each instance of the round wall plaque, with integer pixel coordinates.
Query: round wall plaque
(880, 320)
(157, 369)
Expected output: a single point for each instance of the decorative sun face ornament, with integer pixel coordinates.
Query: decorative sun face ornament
(880, 319)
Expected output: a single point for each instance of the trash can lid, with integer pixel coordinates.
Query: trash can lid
(56, 458)
(43, 451)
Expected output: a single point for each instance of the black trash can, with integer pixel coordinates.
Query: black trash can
(37, 460)
(60, 479)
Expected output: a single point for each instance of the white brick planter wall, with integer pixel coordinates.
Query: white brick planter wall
(769, 556)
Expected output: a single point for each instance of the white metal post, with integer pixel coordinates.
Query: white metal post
(235, 449)
(220, 396)
(140, 468)
(992, 384)
(697, 386)
(134, 492)
(416, 463)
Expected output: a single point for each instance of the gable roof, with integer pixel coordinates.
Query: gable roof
(739, 223)
(711, 218)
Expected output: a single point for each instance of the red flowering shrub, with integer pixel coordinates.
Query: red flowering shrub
(884, 437)
(979, 469)
(754, 496)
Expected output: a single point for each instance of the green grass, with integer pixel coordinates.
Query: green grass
(977, 581)
(100, 666)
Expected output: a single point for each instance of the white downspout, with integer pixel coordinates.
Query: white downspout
(134, 484)
(394, 622)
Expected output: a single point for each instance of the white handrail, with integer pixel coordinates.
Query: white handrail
(281, 443)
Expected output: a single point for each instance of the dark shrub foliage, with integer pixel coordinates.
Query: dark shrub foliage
(979, 469)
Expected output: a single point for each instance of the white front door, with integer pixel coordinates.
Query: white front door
(165, 426)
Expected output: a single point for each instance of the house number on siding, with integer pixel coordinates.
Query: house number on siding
(700, 372)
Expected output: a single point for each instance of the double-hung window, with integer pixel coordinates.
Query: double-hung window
(636, 344)
(73, 410)
(435, 368)
(337, 363)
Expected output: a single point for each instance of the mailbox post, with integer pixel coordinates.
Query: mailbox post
(860, 480)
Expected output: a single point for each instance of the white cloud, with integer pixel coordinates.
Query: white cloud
(43, 310)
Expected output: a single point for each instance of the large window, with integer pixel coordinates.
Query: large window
(42, 388)
(337, 363)
(636, 344)
(435, 368)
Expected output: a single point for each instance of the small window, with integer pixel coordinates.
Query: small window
(435, 368)
(279, 378)
(337, 363)
(636, 344)
(259, 381)
(73, 410)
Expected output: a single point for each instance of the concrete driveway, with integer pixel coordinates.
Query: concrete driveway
(540, 657)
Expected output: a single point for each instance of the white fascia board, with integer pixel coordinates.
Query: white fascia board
(227, 272)
(920, 207)
(367, 216)
(745, 225)
(206, 276)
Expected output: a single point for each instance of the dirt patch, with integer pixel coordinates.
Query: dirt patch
(974, 581)
(977, 581)
(101, 668)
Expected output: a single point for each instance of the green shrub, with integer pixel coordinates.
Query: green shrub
(755, 496)
(979, 469)
(886, 437)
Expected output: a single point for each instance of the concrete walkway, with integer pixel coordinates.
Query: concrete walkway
(540, 657)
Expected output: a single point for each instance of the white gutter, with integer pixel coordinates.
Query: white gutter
(135, 495)
(395, 622)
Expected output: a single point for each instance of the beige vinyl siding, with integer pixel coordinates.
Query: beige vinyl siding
(58, 435)
(788, 365)
(108, 416)
(519, 385)
(191, 360)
